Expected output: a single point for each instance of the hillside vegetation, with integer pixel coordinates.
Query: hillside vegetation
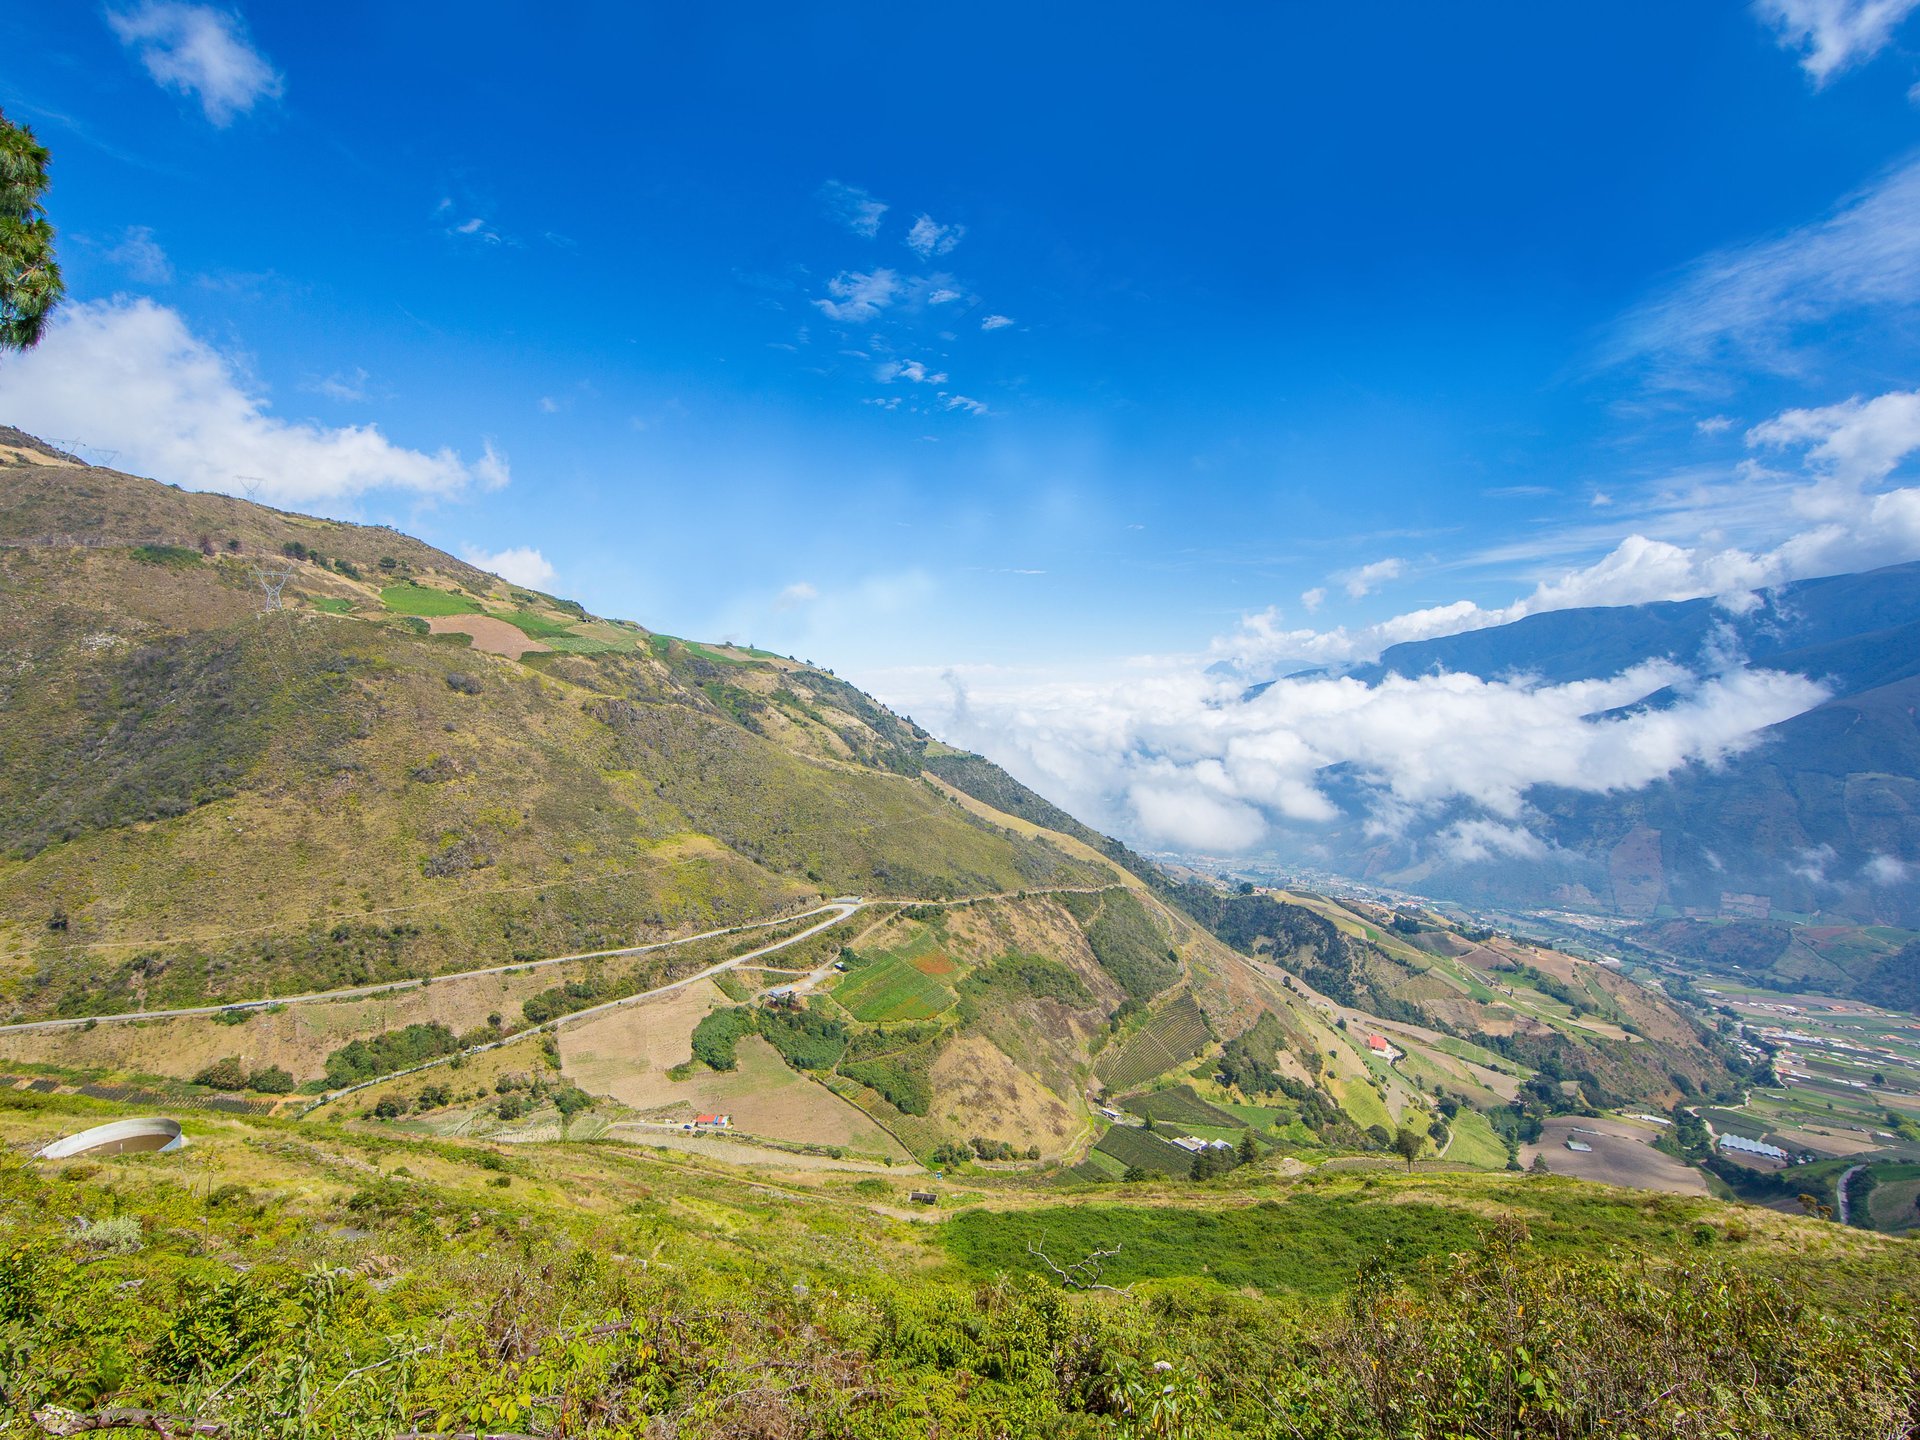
(412, 770)
(315, 1281)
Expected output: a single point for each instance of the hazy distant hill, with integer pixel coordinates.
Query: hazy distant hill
(1823, 815)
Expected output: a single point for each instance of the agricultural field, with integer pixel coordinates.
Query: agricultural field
(1849, 1072)
(1474, 1142)
(1135, 1147)
(1622, 1154)
(1893, 1205)
(903, 984)
(1172, 1036)
(1180, 1106)
(427, 601)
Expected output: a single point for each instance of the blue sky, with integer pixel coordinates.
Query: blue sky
(1006, 344)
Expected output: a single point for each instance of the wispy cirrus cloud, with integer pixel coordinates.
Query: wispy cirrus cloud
(1755, 304)
(913, 370)
(201, 51)
(1363, 580)
(1834, 35)
(853, 208)
(140, 255)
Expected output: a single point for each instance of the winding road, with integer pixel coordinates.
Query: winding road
(1841, 1202)
(840, 909)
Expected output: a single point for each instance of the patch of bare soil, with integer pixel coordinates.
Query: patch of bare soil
(1622, 1154)
(496, 637)
(988, 1095)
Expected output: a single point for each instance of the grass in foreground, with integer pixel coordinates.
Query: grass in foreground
(289, 1281)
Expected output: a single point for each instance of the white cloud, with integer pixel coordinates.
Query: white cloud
(944, 296)
(1313, 599)
(129, 374)
(1714, 424)
(549, 405)
(1365, 579)
(891, 370)
(140, 255)
(927, 239)
(996, 322)
(521, 565)
(1887, 870)
(853, 207)
(1831, 520)
(801, 592)
(859, 296)
(1856, 441)
(1179, 758)
(965, 403)
(1832, 35)
(1753, 302)
(198, 50)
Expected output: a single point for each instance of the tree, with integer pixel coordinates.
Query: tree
(1408, 1144)
(570, 1100)
(1249, 1152)
(30, 284)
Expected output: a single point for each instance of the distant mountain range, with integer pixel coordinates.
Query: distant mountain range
(1822, 816)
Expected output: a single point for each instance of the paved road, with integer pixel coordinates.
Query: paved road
(840, 908)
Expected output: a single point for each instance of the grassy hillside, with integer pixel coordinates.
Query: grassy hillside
(203, 801)
(308, 1281)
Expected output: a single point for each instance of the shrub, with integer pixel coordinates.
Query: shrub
(225, 1074)
(271, 1080)
(115, 1235)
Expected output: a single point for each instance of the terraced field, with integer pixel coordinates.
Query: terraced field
(1180, 1106)
(1171, 1038)
(1136, 1147)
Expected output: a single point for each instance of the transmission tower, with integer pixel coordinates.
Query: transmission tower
(251, 484)
(272, 581)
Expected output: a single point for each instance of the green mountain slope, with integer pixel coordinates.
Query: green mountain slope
(413, 769)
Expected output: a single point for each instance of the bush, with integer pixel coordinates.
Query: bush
(225, 1074)
(115, 1235)
(271, 1080)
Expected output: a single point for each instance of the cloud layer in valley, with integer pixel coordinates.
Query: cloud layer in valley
(1180, 759)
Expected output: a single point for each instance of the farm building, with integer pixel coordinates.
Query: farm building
(1579, 1145)
(1377, 1045)
(1195, 1144)
(921, 1197)
(713, 1122)
(1740, 1145)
